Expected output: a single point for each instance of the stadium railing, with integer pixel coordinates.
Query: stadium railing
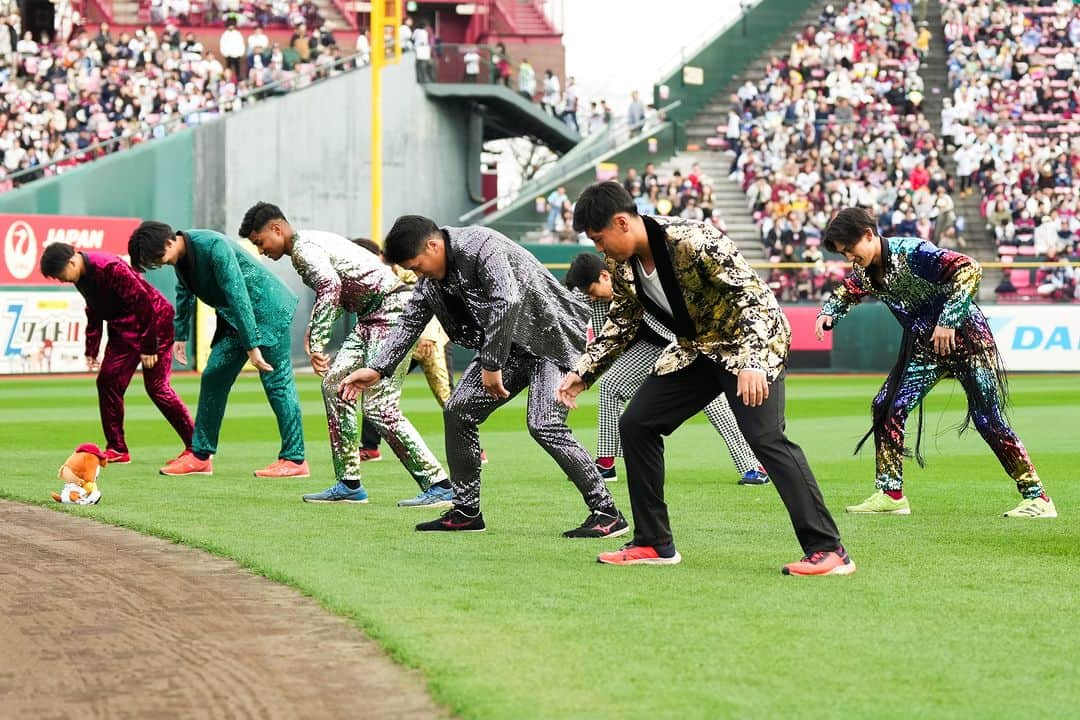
(615, 136)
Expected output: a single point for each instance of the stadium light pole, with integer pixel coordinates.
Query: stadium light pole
(384, 14)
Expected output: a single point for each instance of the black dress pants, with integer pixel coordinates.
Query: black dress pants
(664, 402)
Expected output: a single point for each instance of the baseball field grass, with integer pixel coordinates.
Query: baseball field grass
(954, 611)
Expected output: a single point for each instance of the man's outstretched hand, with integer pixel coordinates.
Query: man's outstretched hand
(571, 386)
(357, 382)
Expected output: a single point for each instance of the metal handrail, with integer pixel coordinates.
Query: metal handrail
(150, 132)
(592, 150)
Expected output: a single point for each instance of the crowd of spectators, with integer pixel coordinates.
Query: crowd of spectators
(66, 101)
(1012, 119)
(278, 13)
(688, 197)
(839, 121)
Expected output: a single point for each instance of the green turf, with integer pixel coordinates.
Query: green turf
(954, 612)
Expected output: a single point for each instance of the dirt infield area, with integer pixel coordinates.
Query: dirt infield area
(102, 622)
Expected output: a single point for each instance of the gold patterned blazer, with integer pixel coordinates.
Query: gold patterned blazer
(720, 307)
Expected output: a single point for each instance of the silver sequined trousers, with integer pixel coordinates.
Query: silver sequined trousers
(469, 405)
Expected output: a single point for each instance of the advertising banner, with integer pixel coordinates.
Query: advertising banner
(42, 331)
(1037, 337)
(802, 319)
(24, 237)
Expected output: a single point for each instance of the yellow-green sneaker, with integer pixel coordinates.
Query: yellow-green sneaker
(1034, 508)
(879, 502)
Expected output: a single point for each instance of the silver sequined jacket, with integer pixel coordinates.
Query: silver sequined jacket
(496, 295)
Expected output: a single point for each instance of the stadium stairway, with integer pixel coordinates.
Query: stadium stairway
(704, 125)
(729, 199)
(934, 72)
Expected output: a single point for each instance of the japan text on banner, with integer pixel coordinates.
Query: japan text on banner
(43, 331)
(23, 238)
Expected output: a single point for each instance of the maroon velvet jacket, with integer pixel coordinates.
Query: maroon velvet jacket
(138, 315)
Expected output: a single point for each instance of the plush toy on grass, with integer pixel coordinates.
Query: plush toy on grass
(80, 473)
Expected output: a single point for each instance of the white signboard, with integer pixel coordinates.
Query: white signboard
(1037, 337)
(43, 332)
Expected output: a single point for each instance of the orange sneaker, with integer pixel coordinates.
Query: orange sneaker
(823, 562)
(631, 554)
(282, 468)
(188, 464)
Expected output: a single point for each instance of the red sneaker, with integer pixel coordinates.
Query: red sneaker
(114, 457)
(370, 455)
(483, 457)
(282, 468)
(188, 464)
(631, 554)
(823, 562)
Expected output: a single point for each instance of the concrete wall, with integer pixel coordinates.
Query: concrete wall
(309, 152)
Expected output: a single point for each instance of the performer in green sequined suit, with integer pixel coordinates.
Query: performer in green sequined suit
(254, 321)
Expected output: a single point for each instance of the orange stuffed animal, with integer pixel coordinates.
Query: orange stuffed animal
(80, 473)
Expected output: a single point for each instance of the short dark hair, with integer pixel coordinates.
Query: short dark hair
(406, 239)
(846, 228)
(258, 215)
(368, 244)
(146, 246)
(55, 257)
(584, 270)
(598, 203)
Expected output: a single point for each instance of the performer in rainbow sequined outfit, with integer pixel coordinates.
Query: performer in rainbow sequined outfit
(348, 278)
(931, 293)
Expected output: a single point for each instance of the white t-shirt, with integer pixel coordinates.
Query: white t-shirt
(652, 287)
(472, 63)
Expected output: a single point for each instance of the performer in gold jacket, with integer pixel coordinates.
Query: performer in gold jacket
(730, 337)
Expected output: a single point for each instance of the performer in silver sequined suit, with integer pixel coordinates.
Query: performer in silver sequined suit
(348, 278)
(492, 295)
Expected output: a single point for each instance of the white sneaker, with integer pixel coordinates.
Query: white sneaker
(1033, 508)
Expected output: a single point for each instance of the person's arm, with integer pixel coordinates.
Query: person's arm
(185, 309)
(846, 296)
(496, 275)
(129, 287)
(93, 333)
(619, 330)
(959, 273)
(410, 324)
(598, 310)
(318, 273)
(226, 269)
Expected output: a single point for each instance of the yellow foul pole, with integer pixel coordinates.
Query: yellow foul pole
(384, 14)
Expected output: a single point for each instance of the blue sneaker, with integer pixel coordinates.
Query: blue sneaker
(755, 477)
(338, 493)
(433, 497)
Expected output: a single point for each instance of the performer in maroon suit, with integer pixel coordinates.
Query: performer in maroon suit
(140, 330)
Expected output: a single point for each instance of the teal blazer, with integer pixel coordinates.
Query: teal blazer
(247, 296)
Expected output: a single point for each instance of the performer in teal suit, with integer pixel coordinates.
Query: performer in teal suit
(254, 319)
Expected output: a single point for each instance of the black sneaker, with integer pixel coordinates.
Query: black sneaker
(608, 474)
(454, 520)
(600, 525)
